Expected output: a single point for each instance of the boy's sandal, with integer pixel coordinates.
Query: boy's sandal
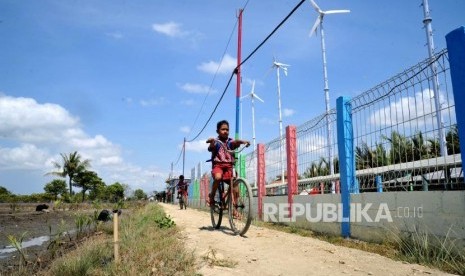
(237, 215)
(210, 200)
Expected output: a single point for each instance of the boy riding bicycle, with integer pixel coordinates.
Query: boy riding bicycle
(222, 161)
(182, 192)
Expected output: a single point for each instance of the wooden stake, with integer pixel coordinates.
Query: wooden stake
(115, 236)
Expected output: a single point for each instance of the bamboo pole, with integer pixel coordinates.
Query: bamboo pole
(115, 236)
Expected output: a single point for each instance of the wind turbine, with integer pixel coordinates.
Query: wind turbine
(319, 23)
(253, 96)
(283, 67)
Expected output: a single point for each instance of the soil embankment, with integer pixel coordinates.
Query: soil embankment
(269, 252)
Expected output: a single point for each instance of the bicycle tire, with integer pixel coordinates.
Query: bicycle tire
(216, 208)
(240, 210)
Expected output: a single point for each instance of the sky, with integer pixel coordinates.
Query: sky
(123, 83)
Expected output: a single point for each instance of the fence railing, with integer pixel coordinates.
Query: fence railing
(397, 129)
(396, 139)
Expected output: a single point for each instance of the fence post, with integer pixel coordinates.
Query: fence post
(379, 183)
(456, 48)
(260, 178)
(291, 153)
(345, 145)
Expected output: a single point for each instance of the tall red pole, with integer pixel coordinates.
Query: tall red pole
(238, 86)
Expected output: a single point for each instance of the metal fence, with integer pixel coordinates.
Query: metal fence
(402, 140)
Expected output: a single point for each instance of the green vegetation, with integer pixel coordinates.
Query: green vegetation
(146, 248)
(394, 149)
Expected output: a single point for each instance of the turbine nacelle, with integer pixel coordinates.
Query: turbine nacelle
(321, 14)
(252, 94)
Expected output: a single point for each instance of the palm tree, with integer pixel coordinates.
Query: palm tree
(367, 158)
(71, 166)
(401, 148)
(452, 140)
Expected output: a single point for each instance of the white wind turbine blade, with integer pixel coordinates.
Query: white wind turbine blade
(253, 88)
(315, 6)
(284, 70)
(336, 11)
(246, 96)
(258, 98)
(315, 26)
(279, 64)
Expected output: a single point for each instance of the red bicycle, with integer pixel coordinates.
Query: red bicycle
(235, 199)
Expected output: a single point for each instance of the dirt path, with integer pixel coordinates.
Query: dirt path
(268, 252)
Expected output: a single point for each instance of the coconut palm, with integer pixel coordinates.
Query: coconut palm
(70, 167)
(401, 148)
(366, 158)
(452, 140)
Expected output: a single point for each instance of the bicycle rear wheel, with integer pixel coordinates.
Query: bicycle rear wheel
(240, 207)
(216, 208)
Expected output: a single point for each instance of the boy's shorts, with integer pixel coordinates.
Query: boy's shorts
(225, 169)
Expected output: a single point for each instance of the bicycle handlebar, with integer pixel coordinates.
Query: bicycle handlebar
(240, 148)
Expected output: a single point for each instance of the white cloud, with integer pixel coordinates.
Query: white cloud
(32, 136)
(419, 107)
(288, 112)
(25, 120)
(171, 29)
(196, 88)
(26, 156)
(185, 129)
(196, 146)
(188, 102)
(226, 67)
(115, 35)
(153, 102)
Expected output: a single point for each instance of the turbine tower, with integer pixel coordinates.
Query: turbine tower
(283, 67)
(434, 70)
(319, 23)
(253, 96)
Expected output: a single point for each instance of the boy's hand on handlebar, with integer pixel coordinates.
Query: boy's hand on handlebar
(247, 144)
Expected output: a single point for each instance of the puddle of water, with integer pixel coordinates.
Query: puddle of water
(32, 242)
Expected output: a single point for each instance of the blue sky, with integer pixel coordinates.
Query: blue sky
(123, 82)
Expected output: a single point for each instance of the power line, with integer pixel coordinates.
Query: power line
(247, 58)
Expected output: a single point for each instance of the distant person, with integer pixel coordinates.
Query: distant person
(222, 160)
(182, 187)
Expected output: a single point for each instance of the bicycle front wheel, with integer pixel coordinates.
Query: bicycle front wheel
(240, 206)
(216, 208)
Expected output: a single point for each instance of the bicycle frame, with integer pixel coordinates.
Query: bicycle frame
(236, 203)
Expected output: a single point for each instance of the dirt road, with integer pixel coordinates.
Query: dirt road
(268, 252)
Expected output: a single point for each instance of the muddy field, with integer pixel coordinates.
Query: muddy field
(36, 228)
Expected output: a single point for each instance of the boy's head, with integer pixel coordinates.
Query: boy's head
(181, 177)
(222, 128)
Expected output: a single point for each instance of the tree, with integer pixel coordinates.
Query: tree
(56, 187)
(86, 180)
(98, 191)
(452, 140)
(366, 158)
(4, 191)
(71, 166)
(401, 148)
(115, 192)
(140, 194)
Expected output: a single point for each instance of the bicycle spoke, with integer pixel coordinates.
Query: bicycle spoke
(240, 215)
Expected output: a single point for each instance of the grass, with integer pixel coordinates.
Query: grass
(440, 252)
(213, 258)
(417, 247)
(150, 244)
